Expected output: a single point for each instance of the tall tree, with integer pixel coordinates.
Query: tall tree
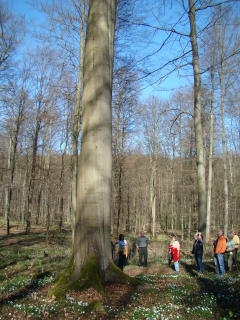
(92, 225)
(124, 101)
(91, 262)
(18, 107)
(77, 115)
(202, 200)
(210, 158)
(151, 119)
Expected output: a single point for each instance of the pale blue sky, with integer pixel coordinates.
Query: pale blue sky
(24, 8)
(164, 89)
(143, 44)
(140, 48)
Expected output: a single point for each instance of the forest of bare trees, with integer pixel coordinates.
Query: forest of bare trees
(175, 158)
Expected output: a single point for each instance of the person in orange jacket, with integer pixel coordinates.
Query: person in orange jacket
(220, 245)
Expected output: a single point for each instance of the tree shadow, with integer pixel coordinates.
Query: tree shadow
(25, 291)
(28, 240)
(226, 290)
(11, 263)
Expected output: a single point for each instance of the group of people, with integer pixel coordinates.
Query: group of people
(225, 248)
(142, 245)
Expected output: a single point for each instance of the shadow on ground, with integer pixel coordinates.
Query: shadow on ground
(225, 289)
(25, 291)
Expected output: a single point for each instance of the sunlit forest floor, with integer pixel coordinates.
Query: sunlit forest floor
(29, 264)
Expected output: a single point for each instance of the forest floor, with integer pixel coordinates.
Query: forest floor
(29, 264)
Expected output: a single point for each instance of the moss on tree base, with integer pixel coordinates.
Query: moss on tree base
(89, 277)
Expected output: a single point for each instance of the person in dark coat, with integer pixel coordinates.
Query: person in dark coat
(198, 251)
(122, 251)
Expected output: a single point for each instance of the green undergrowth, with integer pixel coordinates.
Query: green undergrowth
(30, 269)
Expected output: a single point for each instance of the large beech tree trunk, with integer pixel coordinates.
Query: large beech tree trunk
(92, 223)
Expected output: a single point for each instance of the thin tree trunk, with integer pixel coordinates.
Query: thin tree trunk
(77, 121)
(202, 201)
(210, 162)
(8, 191)
(128, 221)
(190, 222)
(24, 193)
(11, 164)
(182, 227)
(119, 197)
(29, 210)
(172, 201)
(224, 149)
(61, 197)
(47, 195)
(153, 195)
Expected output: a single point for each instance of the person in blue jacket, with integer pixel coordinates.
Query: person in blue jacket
(122, 251)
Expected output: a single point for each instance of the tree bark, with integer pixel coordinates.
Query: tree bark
(12, 154)
(210, 162)
(153, 193)
(77, 119)
(92, 225)
(224, 150)
(198, 121)
(29, 206)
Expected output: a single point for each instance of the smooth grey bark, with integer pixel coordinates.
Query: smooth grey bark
(210, 161)
(118, 158)
(77, 119)
(153, 193)
(202, 200)
(92, 225)
(224, 150)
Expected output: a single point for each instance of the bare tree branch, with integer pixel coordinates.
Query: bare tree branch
(212, 5)
(154, 27)
(166, 64)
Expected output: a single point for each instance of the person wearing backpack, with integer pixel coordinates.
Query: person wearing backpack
(122, 251)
